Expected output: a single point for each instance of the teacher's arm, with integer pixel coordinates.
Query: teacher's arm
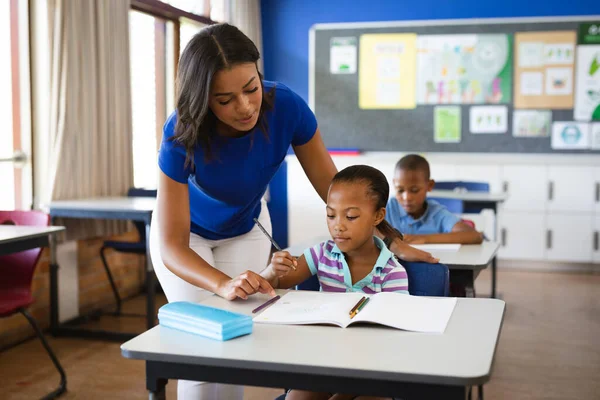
(316, 163)
(173, 214)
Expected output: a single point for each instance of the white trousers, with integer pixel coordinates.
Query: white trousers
(232, 256)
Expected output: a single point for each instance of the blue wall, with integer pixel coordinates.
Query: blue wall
(286, 23)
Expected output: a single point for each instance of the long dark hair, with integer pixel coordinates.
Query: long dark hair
(214, 48)
(377, 187)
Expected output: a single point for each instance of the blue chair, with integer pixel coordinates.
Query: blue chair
(455, 206)
(138, 247)
(423, 279)
(467, 186)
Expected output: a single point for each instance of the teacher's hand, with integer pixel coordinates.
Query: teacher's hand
(244, 285)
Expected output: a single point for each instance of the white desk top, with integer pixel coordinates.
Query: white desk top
(116, 204)
(15, 233)
(463, 355)
(471, 256)
(498, 197)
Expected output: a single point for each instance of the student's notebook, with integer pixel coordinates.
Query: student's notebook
(199, 319)
(400, 311)
(437, 246)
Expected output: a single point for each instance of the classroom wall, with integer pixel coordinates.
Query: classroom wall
(286, 23)
(94, 288)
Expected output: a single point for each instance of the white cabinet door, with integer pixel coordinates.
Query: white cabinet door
(596, 240)
(480, 173)
(569, 237)
(597, 189)
(522, 235)
(527, 187)
(443, 171)
(571, 188)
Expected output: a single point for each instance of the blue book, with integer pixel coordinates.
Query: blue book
(199, 319)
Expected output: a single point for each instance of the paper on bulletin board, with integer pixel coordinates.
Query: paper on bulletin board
(544, 69)
(386, 73)
(595, 135)
(532, 123)
(488, 119)
(464, 69)
(587, 90)
(342, 55)
(447, 124)
(571, 136)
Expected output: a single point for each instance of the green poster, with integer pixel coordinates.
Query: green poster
(447, 124)
(589, 33)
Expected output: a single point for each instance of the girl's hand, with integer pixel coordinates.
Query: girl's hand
(245, 285)
(282, 263)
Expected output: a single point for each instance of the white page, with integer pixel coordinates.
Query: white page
(439, 247)
(301, 307)
(411, 313)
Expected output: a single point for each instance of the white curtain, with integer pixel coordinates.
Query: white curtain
(245, 14)
(90, 128)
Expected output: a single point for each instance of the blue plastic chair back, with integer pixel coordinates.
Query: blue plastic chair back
(423, 279)
(468, 186)
(455, 206)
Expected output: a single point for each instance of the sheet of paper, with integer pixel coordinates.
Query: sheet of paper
(438, 247)
(386, 73)
(532, 84)
(343, 55)
(571, 135)
(559, 81)
(447, 124)
(532, 123)
(412, 313)
(464, 69)
(488, 119)
(587, 92)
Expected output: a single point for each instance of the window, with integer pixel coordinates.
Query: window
(155, 38)
(15, 137)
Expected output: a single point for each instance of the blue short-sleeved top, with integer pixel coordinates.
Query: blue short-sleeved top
(225, 192)
(436, 219)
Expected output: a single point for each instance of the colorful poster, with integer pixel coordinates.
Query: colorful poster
(544, 68)
(464, 69)
(595, 134)
(386, 72)
(342, 55)
(488, 119)
(570, 136)
(530, 123)
(447, 124)
(587, 89)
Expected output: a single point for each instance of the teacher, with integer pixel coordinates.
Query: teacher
(220, 149)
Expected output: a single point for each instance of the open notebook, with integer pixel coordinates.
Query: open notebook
(400, 311)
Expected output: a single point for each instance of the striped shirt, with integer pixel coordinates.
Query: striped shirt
(327, 261)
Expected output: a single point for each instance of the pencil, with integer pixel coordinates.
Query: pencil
(353, 310)
(270, 238)
(265, 304)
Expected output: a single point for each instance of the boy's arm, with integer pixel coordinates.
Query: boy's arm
(461, 233)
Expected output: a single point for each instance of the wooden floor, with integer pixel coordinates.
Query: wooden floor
(549, 349)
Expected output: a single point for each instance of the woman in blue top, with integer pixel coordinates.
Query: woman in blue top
(220, 149)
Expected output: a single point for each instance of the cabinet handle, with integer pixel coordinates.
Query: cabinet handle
(505, 187)
(597, 192)
(596, 244)
(503, 237)
(550, 190)
(548, 239)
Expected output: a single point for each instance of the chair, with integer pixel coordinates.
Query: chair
(16, 274)
(138, 247)
(423, 279)
(466, 186)
(455, 206)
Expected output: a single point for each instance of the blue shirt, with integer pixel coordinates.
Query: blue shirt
(436, 219)
(225, 192)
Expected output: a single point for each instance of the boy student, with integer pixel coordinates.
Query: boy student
(419, 219)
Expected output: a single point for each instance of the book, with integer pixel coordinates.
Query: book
(199, 319)
(395, 310)
(437, 247)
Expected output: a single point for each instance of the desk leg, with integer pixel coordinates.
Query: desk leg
(494, 265)
(464, 278)
(54, 317)
(154, 384)
(150, 283)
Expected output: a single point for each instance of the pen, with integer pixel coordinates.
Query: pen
(356, 306)
(266, 304)
(269, 236)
